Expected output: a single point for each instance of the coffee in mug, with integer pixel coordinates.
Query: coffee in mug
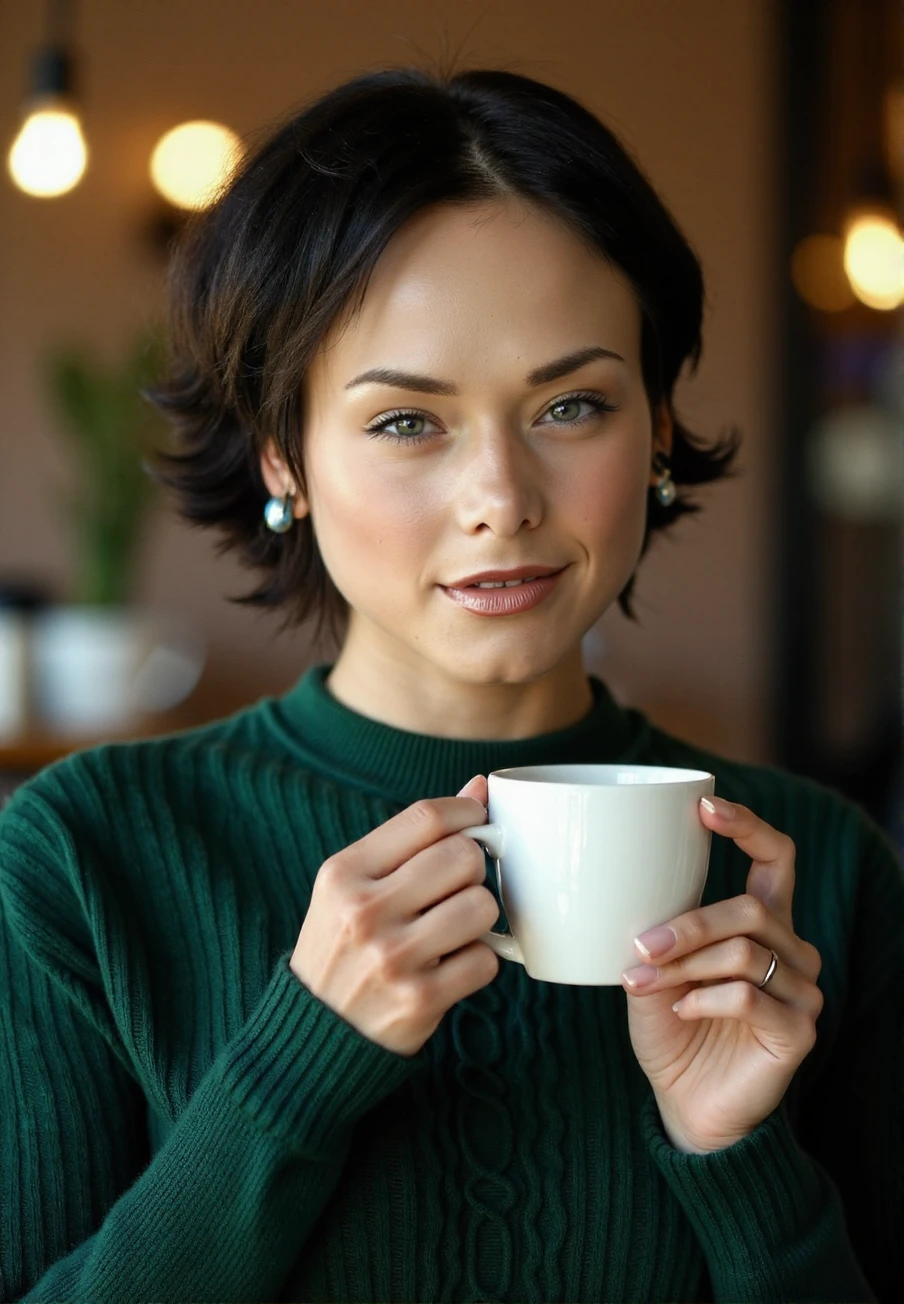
(589, 856)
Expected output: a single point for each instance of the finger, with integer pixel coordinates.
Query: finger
(740, 916)
(461, 974)
(449, 925)
(773, 852)
(738, 958)
(786, 1030)
(388, 846)
(432, 875)
(477, 788)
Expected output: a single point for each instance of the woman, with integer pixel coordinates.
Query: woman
(253, 1045)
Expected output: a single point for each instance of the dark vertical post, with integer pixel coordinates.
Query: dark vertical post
(803, 40)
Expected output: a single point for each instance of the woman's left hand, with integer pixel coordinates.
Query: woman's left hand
(723, 1061)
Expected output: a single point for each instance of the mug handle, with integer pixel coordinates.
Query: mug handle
(492, 838)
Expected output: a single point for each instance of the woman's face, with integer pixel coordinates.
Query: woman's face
(505, 467)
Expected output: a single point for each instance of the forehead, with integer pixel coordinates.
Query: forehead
(467, 292)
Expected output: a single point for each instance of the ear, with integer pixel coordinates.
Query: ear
(663, 434)
(279, 480)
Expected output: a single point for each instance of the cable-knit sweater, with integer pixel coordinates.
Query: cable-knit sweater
(182, 1119)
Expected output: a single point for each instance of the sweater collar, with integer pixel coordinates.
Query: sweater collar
(402, 766)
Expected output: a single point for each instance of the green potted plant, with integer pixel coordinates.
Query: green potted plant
(100, 660)
(111, 428)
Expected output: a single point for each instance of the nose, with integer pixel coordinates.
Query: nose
(499, 485)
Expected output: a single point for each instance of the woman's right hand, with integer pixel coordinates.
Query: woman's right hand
(391, 937)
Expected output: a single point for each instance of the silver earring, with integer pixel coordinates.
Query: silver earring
(666, 492)
(278, 514)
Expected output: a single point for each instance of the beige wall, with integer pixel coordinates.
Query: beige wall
(689, 86)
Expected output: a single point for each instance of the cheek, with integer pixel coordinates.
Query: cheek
(367, 516)
(606, 495)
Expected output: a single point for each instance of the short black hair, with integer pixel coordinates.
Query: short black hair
(257, 280)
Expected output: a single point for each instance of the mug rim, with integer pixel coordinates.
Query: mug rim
(682, 774)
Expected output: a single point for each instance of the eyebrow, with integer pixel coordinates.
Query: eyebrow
(550, 371)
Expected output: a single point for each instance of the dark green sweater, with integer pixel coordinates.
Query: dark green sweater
(181, 1119)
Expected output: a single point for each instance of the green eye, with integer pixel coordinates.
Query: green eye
(594, 401)
(400, 419)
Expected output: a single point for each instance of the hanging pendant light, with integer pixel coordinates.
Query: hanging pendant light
(49, 155)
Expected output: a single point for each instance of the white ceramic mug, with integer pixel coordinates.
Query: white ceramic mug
(589, 856)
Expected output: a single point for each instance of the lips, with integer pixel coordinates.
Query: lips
(502, 599)
(531, 571)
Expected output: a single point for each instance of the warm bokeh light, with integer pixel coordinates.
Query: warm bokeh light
(49, 155)
(192, 162)
(817, 270)
(874, 260)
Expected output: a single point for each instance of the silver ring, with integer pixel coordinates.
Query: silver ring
(770, 971)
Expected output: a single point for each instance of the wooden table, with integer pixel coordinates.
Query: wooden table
(23, 754)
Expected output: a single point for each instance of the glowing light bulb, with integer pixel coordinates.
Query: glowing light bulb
(191, 163)
(874, 260)
(49, 155)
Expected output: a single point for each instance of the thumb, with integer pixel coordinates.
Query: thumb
(763, 881)
(477, 788)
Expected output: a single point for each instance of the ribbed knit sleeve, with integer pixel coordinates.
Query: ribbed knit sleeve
(225, 1206)
(816, 1213)
(768, 1217)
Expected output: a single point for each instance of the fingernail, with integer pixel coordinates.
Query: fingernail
(656, 941)
(717, 806)
(463, 790)
(641, 976)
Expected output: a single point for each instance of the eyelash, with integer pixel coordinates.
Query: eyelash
(378, 431)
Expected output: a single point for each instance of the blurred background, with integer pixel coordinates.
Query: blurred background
(770, 625)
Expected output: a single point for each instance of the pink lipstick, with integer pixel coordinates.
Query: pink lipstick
(509, 600)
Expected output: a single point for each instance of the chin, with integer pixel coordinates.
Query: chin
(524, 665)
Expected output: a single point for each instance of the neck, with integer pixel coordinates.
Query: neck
(427, 699)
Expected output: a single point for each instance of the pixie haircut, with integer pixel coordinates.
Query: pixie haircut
(257, 281)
